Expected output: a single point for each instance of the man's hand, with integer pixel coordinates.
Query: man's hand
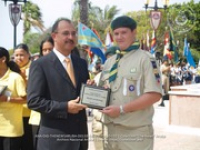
(91, 82)
(111, 111)
(74, 107)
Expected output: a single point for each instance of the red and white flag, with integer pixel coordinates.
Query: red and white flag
(109, 40)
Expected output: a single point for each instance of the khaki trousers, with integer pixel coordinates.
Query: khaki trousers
(165, 83)
(97, 132)
(121, 138)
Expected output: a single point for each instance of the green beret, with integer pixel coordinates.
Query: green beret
(123, 21)
(111, 50)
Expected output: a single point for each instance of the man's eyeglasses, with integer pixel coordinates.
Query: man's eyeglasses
(47, 49)
(67, 33)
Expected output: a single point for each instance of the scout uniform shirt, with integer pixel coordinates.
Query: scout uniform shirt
(138, 73)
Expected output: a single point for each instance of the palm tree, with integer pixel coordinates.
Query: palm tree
(32, 17)
(101, 20)
(78, 14)
(98, 18)
(81, 9)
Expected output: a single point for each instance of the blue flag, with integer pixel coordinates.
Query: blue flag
(99, 53)
(185, 50)
(87, 37)
(187, 54)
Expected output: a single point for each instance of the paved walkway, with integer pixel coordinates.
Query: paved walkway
(168, 137)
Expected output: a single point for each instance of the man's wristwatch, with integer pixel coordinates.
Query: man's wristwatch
(121, 108)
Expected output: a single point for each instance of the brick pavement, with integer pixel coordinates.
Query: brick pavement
(168, 137)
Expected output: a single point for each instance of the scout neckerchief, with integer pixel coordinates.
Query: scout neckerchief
(120, 54)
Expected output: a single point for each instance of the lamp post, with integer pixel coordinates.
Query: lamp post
(155, 7)
(155, 19)
(155, 14)
(15, 10)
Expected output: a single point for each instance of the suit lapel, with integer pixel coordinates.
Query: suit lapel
(59, 67)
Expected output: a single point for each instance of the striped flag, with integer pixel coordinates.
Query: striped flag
(153, 43)
(167, 53)
(87, 37)
(173, 47)
(109, 40)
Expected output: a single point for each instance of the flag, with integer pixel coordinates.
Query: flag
(90, 37)
(173, 47)
(167, 53)
(98, 52)
(185, 50)
(90, 54)
(87, 37)
(96, 32)
(109, 40)
(153, 43)
(188, 54)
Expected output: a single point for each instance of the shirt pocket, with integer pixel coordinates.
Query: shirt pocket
(131, 86)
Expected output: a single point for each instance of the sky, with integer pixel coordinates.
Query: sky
(53, 9)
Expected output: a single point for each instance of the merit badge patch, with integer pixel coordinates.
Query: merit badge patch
(131, 88)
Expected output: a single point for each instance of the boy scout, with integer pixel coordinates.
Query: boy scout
(96, 122)
(134, 79)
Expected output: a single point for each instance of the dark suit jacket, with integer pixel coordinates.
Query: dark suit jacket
(49, 90)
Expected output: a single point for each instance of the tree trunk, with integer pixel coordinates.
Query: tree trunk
(83, 5)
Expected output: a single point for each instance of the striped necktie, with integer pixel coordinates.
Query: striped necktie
(120, 54)
(70, 71)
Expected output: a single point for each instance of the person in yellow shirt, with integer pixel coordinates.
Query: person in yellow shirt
(11, 124)
(22, 58)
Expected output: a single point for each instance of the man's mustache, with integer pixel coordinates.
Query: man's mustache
(70, 41)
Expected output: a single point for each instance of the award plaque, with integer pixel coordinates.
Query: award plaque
(94, 97)
(2, 89)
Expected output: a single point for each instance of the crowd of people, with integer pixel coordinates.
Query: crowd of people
(179, 73)
(40, 105)
(19, 125)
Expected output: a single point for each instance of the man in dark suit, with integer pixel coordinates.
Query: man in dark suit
(53, 93)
